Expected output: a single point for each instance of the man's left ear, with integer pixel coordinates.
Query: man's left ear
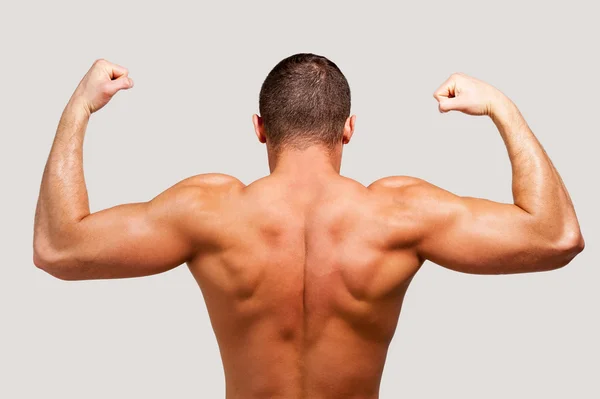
(348, 129)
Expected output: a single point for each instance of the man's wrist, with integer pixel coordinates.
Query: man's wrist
(503, 110)
(507, 118)
(77, 108)
(73, 121)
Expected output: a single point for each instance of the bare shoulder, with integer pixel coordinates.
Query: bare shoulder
(200, 189)
(401, 185)
(211, 181)
(411, 193)
(208, 184)
(413, 207)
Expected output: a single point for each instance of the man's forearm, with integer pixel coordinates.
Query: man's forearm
(537, 186)
(63, 199)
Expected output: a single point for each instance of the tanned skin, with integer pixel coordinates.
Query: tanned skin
(304, 271)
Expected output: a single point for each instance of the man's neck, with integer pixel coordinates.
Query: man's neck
(310, 163)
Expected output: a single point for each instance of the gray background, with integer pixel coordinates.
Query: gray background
(198, 69)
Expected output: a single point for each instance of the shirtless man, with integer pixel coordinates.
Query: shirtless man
(304, 271)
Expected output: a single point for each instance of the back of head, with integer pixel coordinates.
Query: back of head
(305, 100)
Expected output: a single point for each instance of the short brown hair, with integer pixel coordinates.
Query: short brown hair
(304, 100)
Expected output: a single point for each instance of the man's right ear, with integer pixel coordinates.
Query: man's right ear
(259, 128)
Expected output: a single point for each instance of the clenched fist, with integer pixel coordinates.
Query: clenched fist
(100, 84)
(468, 95)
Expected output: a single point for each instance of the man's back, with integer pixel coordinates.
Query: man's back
(304, 285)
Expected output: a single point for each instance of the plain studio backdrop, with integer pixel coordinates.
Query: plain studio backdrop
(198, 68)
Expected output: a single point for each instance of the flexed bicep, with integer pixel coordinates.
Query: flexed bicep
(539, 231)
(130, 240)
(137, 239)
(480, 236)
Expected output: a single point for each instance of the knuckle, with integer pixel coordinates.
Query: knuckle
(105, 88)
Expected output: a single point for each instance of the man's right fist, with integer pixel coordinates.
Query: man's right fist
(100, 84)
(468, 95)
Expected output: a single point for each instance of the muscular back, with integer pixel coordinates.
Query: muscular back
(304, 286)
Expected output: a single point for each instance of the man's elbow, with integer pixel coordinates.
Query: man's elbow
(54, 263)
(568, 246)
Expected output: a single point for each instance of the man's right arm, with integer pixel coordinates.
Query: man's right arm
(538, 232)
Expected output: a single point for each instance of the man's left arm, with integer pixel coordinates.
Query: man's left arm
(124, 241)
